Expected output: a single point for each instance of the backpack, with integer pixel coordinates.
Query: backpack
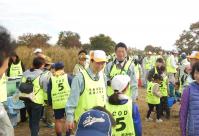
(27, 90)
(28, 86)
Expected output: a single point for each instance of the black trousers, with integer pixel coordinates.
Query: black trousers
(151, 107)
(164, 107)
(23, 114)
(35, 112)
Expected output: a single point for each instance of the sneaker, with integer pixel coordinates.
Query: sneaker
(149, 119)
(159, 120)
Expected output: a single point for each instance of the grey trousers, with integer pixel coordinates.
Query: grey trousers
(6, 128)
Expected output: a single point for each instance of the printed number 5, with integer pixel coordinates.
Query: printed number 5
(60, 86)
(120, 121)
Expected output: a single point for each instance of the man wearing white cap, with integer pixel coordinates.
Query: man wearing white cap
(122, 65)
(37, 51)
(88, 89)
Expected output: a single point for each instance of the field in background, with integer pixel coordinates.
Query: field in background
(166, 128)
(68, 56)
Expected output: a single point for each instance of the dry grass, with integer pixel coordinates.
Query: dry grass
(166, 128)
(68, 56)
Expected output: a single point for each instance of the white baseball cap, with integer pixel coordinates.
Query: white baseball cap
(98, 56)
(119, 82)
(38, 50)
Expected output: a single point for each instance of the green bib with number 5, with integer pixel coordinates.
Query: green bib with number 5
(124, 120)
(60, 91)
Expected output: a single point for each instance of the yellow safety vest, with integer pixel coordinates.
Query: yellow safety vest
(3, 89)
(38, 92)
(148, 64)
(163, 87)
(151, 98)
(115, 71)
(60, 91)
(123, 117)
(16, 69)
(94, 94)
(169, 67)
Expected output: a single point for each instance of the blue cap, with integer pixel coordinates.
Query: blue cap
(94, 123)
(58, 65)
(183, 55)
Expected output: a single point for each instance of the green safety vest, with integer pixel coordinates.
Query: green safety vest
(3, 89)
(123, 117)
(151, 98)
(115, 71)
(38, 92)
(60, 91)
(163, 87)
(148, 63)
(169, 67)
(16, 69)
(94, 94)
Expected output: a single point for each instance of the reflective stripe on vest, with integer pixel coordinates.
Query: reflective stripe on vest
(163, 87)
(94, 94)
(3, 89)
(16, 69)
(123, 117)
(60, 91)
(151, 98)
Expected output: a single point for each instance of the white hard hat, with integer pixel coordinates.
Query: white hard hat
(38, 50)
(119, 82)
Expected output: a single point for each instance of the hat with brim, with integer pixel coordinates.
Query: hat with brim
(38, 50)
(194, 55)
(98, 56)
(120, 82)
(94, 123)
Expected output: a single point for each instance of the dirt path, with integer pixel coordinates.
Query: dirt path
(166, 128)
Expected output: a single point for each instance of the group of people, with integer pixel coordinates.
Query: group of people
(99, 97)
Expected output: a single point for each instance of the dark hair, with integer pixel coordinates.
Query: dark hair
(7, 45)
(177, 83)
(162, 68)
(122, 45)
(194, 68)
(157, 77)
(160, 60)
(113, 123)
(82, 51)
(17, 58)
(114, 99)
(136, 62)
(38, 62)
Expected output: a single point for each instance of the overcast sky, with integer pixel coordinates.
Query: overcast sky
(134, 22)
